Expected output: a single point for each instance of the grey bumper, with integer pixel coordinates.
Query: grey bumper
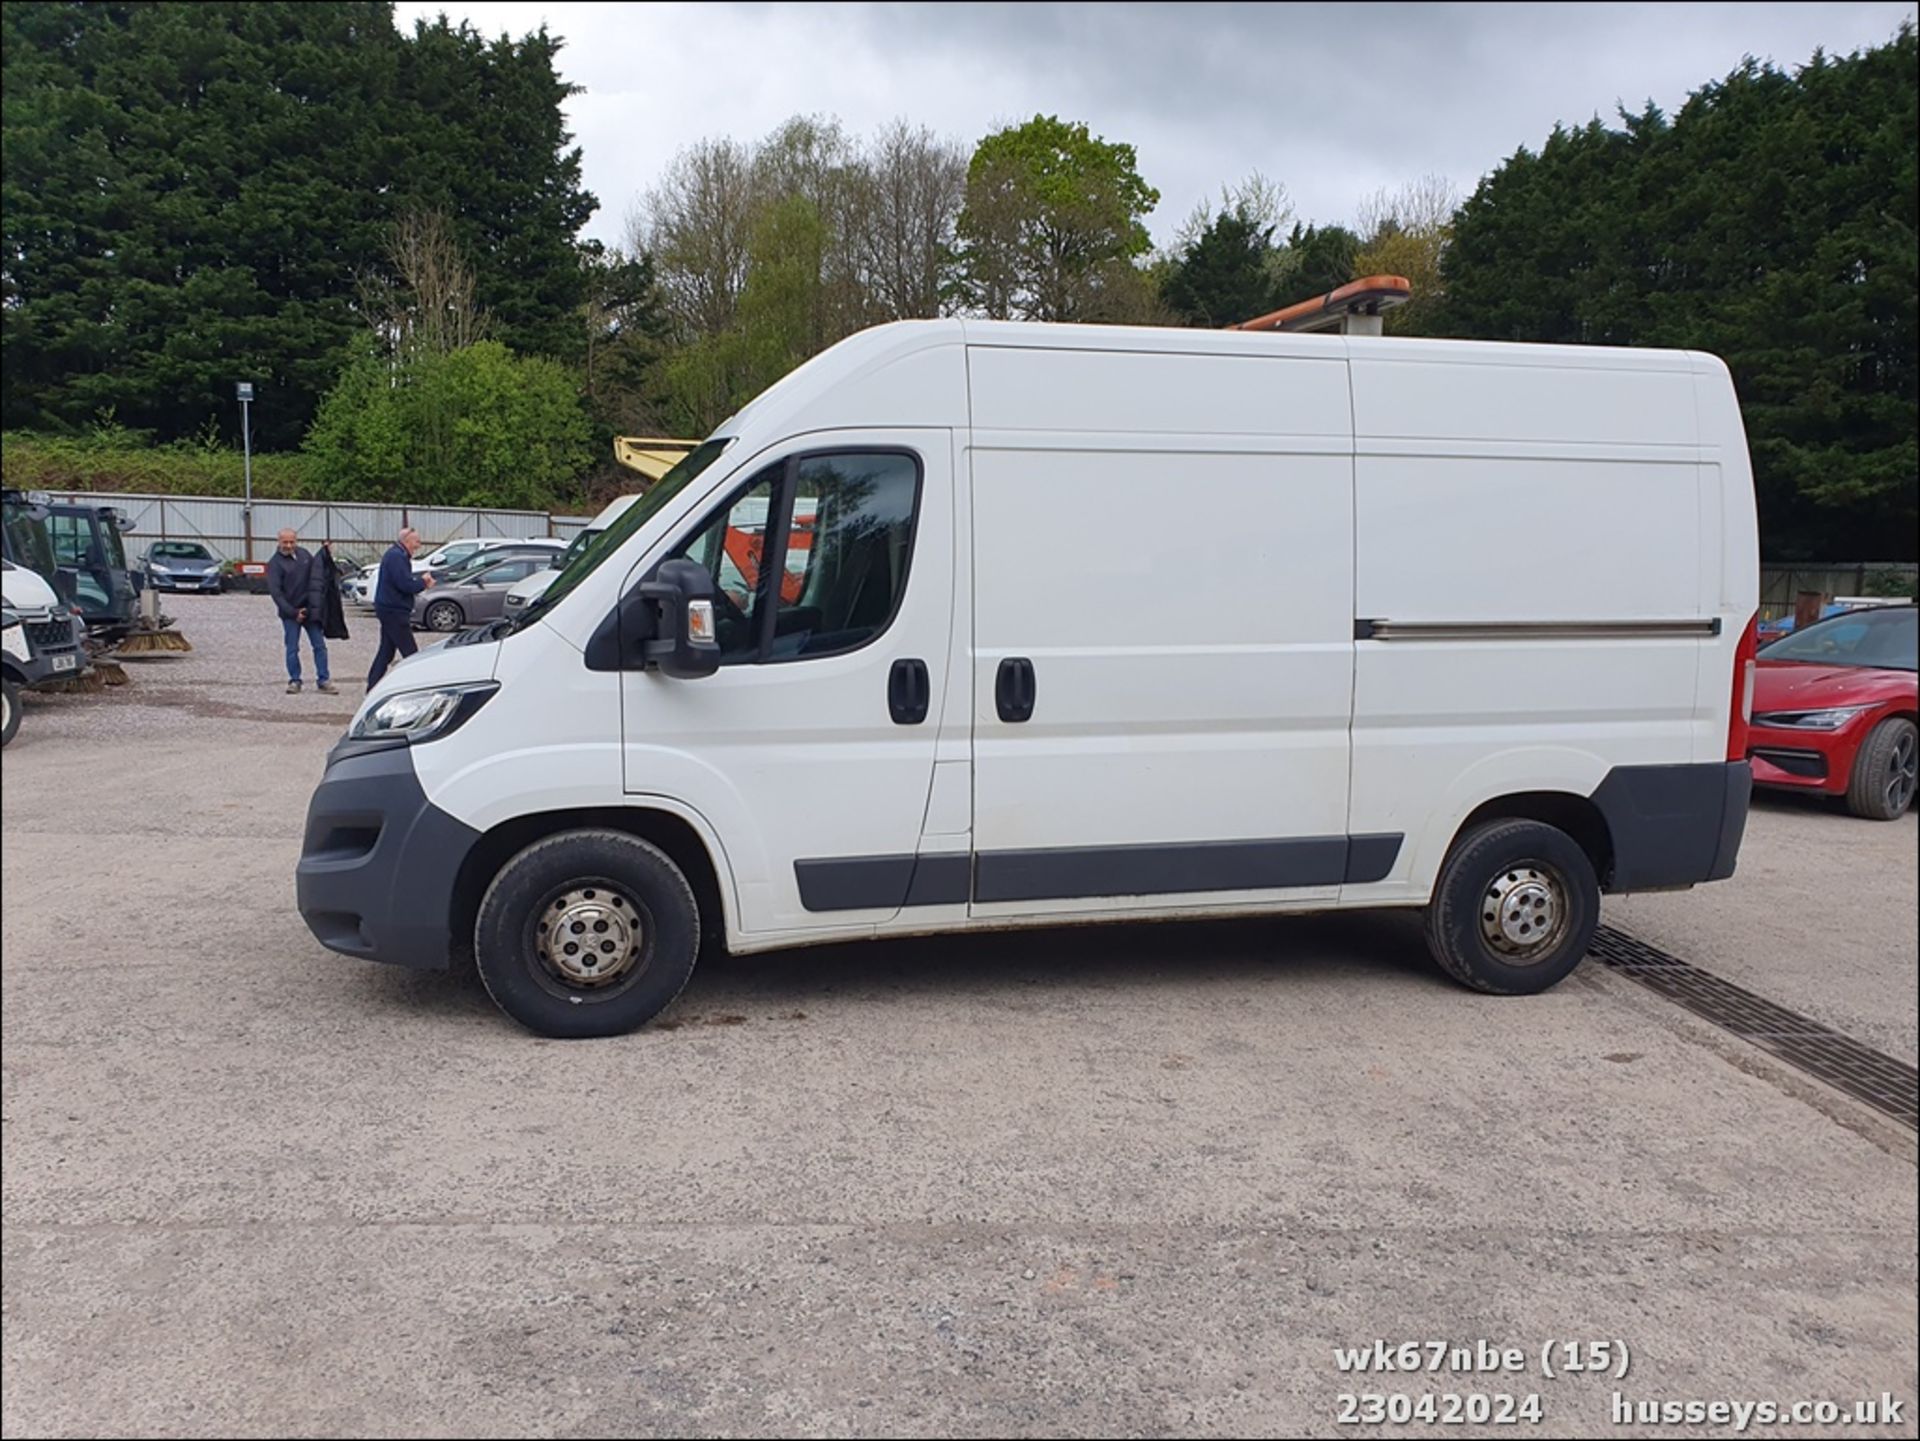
(1674, 826)
(379, 860)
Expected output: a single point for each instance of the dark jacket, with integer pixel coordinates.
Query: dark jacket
(396, 585)
(333, 609)
(294, 584)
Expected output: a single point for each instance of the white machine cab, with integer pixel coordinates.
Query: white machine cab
(968, 624)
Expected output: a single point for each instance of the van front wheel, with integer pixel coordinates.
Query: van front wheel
(587, 933)
(1514, 909)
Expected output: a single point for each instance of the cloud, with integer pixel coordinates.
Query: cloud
(1333, 101)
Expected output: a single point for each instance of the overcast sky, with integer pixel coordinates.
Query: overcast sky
(1333, 101)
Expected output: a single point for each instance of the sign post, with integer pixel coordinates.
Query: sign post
(244, 389)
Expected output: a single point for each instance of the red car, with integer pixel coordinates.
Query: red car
(1834, 710)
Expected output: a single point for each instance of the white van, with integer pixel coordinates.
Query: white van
(969, 625)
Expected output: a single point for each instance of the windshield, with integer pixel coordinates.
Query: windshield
(1883, 639)
(27, 539)
(467, 569)
(574, 547)
(179, 550)
(452, 554)
(614, 536)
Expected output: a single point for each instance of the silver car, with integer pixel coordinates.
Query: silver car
(474, 600)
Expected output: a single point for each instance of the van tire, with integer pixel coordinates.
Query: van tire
(612, 883)
(1874, 790)
(1493, 880)
(12, 698)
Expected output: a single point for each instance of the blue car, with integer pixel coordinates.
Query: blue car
(182, 565)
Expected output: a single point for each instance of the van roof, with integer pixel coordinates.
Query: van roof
(913, 372)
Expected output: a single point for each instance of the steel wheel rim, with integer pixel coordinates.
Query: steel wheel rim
(1904, 772)
(442, 616)
(590, 937)
(1524, 912)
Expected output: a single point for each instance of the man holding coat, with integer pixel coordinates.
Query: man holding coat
(294, 582)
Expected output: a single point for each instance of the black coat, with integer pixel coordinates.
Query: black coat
(333, 610)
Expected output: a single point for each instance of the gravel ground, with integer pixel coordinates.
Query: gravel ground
(1077, 1182)
(235, 672)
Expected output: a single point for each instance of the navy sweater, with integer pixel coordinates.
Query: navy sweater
(398, 585)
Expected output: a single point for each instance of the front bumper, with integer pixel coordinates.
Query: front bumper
(208, 583)
(379, 860)
(1804, 759)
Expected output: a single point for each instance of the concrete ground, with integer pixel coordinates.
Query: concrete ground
(1093, 1182)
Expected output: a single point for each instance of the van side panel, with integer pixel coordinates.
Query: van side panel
(1166, 540)
(1533, 571)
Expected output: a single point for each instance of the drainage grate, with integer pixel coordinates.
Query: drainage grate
(1889, 1086)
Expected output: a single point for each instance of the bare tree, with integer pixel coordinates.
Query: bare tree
(1420, 207)
(1265, 202)
(910, 190)
(1406, 232)
(427, 304)
(696, 224)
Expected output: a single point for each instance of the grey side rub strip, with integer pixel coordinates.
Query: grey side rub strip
(1534, 629)
(889, 882)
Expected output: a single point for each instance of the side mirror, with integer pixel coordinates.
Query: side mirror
(684, 644)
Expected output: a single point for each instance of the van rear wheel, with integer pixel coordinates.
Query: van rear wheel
(1514, 909)
(587, 933)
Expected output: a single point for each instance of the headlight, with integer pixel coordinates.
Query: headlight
(210, 570)
(1811, 720)
(419, 715)
(157, 566)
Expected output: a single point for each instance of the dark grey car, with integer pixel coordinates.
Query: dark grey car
(480, 597)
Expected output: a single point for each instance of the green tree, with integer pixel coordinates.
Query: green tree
(1052, 224)
(776, 328)
(1407, 233)
(190, 192)
(1226, 274)
(485, 142)
(475, 426)
(1315, 259)
(1772, 222)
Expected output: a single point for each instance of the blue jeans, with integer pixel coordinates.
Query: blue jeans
(317, 637)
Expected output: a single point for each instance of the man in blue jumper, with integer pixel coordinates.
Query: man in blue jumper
(393, 591)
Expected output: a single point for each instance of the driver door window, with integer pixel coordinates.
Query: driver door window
(730, 546)
(842, 561)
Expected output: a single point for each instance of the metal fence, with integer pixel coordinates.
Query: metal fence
(358, 532)
(1780, 585)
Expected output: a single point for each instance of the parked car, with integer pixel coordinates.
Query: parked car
(996, 688)
(356, 583)
(1834, 711)
(456, 553)
(534, 586)
(477, 597)
(544, 551)
(181, 565)
(452, 553)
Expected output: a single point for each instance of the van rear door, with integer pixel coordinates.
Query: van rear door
(1162, 626)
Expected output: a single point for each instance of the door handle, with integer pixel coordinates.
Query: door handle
(1013, 689)
(908, 692)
